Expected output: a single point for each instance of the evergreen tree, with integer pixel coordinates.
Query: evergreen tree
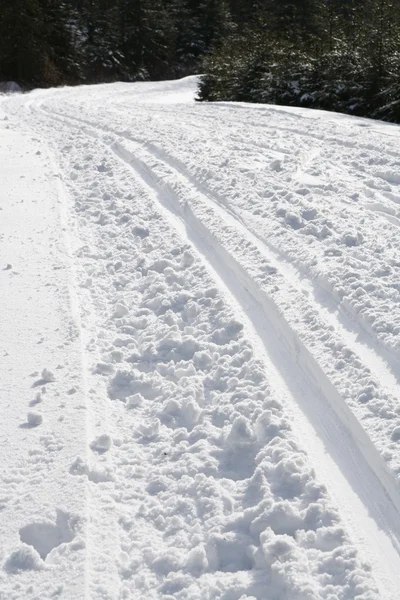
(147, 38)
(336, 54)
(36, 46)
(99, 33)
(24, 54)
(61, 43)
(200, 26)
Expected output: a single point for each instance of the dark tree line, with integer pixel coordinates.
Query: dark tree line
(339, 55)
(53, 42)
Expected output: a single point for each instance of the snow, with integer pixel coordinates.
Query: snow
(9, 87)
(199, 382)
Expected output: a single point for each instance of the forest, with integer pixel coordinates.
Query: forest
(341, 55)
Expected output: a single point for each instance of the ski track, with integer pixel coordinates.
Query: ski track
(323, 282)
(210, 364)
(382, 368)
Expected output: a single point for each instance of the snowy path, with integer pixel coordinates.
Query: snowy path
(43, 403)
(214, 288)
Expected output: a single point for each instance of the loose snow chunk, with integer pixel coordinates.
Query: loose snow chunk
(128, 383)
(121, 385)
(169, 343)
(202, 360)
(80, 467)
(275, 165)
(290, 574)
(188, 347)
(269, 426)
(283, 518)
(120, 311)
(329, 538)
(294, 220)
(228, 333)
(150, 431)
(37, 399)
(48, 376)
(134, 401)
(185, 413)
(101, 444)
(352, 239)
(166, 563)
(140, 231)
(34, 419)
(197, 562)
(25, 558)
(104, 368)
(185, 370)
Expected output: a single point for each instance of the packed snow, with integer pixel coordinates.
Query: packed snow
(200, 384)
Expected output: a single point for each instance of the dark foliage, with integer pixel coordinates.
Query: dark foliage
(341, 55)
(50, 42)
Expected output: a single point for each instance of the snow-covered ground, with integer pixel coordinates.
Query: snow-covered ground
(200, 349)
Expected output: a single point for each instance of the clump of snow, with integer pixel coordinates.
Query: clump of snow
(48, 376)
(25, 558)
(120, 310)
(37, 399)
(101, 443)
(34, 419)
(141, 231)
(10, 87)
(353, 239)
(134, 401)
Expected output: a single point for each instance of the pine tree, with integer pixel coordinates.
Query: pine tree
(60, 40)
(200, 25)
(99, 35)
(147, 38)
(24, 54)
(36, 45)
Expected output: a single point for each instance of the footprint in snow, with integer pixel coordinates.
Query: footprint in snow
(43, 537)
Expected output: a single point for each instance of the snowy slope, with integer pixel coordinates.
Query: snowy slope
(200, 356)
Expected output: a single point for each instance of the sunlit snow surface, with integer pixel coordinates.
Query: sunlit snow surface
(200, 350)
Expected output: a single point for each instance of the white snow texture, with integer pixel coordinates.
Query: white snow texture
(200, 355)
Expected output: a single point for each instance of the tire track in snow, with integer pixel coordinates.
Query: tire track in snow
(349, 487)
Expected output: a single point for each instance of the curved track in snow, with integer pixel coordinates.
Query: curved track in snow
(233, 268)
